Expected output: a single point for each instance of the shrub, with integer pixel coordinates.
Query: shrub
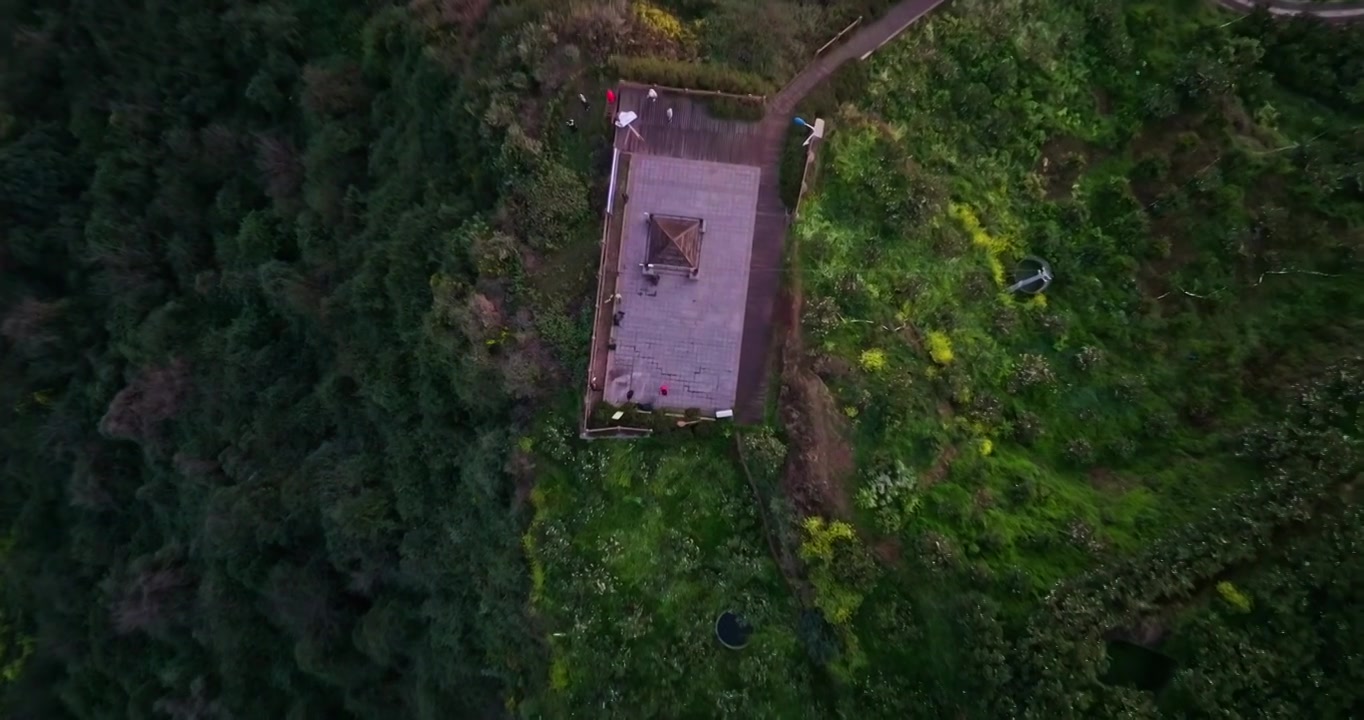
(1032, 370)
(1234, 597)
(439, 16)
(764, 451)
(1159, 248)
(840, 569)
(663, 23)
(1080, 452)
(890, 496)
(767, 37)
(551, 207)
(494, 254)
(873, 360)
(821, 537)
(1089, 357)
(735, 108)
(1027, 428)
(1152, 168)
(940, 348)
(558, 674)
(694, 76)
(30, 323)
(153, 397)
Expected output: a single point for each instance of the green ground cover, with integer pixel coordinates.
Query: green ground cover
(1201, 208)
(1159, 182)
(636, 548)
(1195, 189)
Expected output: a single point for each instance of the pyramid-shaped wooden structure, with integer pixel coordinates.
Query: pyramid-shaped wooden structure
(675, 241)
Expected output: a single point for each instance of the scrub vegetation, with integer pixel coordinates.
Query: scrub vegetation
(295, 300)
(1196, 188)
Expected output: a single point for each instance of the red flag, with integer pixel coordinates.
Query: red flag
(611, 96)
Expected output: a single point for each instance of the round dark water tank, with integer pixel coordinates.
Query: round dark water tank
(732, 630)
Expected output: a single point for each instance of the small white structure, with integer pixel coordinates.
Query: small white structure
(816, 132)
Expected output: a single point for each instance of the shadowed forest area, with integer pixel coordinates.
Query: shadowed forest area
(295, 300)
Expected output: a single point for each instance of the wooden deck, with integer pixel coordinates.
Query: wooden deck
(692, 134)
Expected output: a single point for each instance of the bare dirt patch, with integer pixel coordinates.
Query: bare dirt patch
(941, 465)
(1064, 159)
(889, 550)
(820, 463)
(1105, 480)
(831, 368)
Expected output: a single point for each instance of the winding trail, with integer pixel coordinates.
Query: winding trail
(1331, 12)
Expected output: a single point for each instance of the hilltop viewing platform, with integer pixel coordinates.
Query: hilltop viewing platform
(675, 310)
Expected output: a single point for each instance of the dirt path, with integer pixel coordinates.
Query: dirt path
(1333, 12)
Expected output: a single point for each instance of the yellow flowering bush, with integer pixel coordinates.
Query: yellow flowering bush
(662, 23)
(821, 536)
(840, 569)
(940, 348)
(873, 360)
(1234, 597)
(995, 247)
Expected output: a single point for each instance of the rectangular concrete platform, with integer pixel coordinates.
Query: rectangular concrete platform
(683, 332)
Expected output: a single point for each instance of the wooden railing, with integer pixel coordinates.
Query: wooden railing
(841, 33)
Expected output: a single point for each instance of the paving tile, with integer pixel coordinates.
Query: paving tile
(690, 327)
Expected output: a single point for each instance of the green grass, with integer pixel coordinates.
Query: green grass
(1039, 438)
(642, 545)
(1112, 406)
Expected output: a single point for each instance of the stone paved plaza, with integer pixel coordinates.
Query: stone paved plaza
(683, 332)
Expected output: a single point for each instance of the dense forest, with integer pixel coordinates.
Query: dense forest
(295, 302)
